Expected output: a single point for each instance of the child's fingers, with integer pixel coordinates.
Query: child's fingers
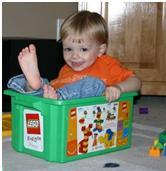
(112, 93)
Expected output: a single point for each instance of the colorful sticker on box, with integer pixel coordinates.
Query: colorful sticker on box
(97, 127)
(33, 130)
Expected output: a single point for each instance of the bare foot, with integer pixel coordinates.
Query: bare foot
(28, 62)
(49, 92)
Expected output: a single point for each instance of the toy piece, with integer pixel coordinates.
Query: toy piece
(110, 116)
(162, 137)
(82, 120)
(159, 146)
(107, 139)
(6, 125)
(164, 151)
(95, 140)
(98, 121)
(85, 113)
(83, 144)
(154, 152)
(143, 110)
(111, 165)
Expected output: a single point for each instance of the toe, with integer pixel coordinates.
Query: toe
(32, 48)
(45, 88)
(20, 55)
(23, 51)
(26, 50)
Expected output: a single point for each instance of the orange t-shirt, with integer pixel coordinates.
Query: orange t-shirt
(105, 68)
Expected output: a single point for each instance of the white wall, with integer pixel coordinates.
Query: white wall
(34, 19)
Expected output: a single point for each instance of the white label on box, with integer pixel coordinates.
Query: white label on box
(33, 130)
(97, 127)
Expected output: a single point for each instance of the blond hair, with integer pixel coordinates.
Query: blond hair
(85, 23)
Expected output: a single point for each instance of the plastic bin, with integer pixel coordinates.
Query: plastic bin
(66, 130)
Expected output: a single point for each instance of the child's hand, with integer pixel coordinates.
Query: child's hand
(112, 93)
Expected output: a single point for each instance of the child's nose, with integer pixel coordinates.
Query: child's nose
(75, 54)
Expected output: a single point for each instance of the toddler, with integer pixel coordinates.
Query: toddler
(84, 37)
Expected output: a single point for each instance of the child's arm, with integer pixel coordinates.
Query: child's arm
(113, 92)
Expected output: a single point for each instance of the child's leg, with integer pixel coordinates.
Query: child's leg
(86, 87)
(28, 62)
(19, 84)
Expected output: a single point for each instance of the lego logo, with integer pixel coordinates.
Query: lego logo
(33, 124)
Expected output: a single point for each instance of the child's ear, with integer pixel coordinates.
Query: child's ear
(102, 49)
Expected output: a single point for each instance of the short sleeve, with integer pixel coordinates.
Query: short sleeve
(117, 72)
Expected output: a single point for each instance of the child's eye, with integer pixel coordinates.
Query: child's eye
(84, 49)
(67, 49)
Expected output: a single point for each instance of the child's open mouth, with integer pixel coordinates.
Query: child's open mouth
(77, 64)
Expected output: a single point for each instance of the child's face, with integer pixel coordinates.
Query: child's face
(80, 53)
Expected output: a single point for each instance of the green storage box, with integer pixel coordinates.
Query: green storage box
(66, 130)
